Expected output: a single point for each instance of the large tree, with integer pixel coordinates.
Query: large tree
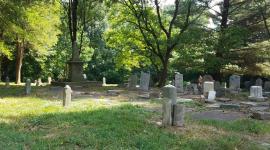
(161, 30)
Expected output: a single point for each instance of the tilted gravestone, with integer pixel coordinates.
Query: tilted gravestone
(267, 86)
(133, 80)
(144, 81)
(67, 96)
(256, 93)
(178, 82)
(235, 84)
(28, 86)
(259, 82)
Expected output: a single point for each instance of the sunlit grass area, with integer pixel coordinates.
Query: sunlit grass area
(30, 122)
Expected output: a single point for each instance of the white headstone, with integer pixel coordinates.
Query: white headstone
(178, 82)
(256, 93)
(39, 82)
(84, 76)
(103, 81)
(144, 81)
(49, 80)
(235, 83)
(208, 86)
(67, 96)
(211, 96)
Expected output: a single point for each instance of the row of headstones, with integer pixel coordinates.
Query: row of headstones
(144, 81)
(38, 82)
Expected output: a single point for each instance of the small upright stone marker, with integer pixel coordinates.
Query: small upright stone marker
(38, 82)
(208, 86)
(67, 96)
(103, 81)
(235, 83)
(144, 81)
(211, 97)
(178, 115)
(7, 82)
(84, 76)
(167, 113)
(49, 80)
(133, 80)
(256, 93)
(178, 82)
(28, 87)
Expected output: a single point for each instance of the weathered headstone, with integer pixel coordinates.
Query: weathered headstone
(195, 89)
(220, 89)
(166, 113)
(267, 85)
(256, 93)
(67, 96)
(144, 81)
(49, 80)
(7, 82)
(133, 80)
(28, 86)
(178, 115)
(235, 83)
(207, 78)
(170, 92)
(103, 81)
(208, 86)
(259, 82)
(178, 82)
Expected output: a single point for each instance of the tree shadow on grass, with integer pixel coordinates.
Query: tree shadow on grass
(123, 127)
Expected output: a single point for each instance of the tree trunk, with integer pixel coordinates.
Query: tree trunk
(163, 73)
(19, 60)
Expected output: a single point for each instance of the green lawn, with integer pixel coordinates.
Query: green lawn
(38, 123)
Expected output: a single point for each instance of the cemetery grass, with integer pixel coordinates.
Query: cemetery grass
(30, 122)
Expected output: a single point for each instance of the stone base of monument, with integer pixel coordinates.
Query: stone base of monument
(260, 99)
(261, 115)
(74, 84)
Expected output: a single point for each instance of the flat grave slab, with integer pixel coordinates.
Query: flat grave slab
(218, 115)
